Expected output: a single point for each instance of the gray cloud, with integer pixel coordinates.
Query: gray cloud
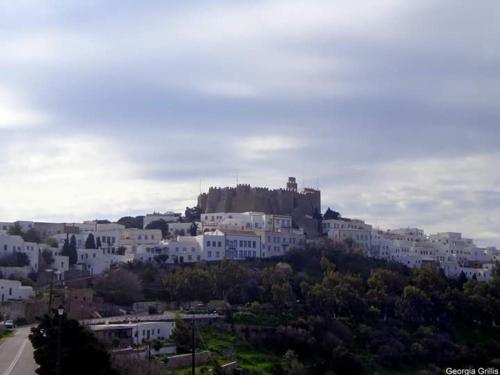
(190, 92)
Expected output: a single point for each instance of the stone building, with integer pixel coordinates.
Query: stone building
(303, 206)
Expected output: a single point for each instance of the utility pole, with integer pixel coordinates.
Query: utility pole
(193, 359)
(51, 289)
(60, 312)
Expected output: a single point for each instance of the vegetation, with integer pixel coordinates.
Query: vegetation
(119, 286)
(69, 250)
(47, 257)
(82, 353)
(132, 222)
(192, 214)
(15, 260)
(227, 347)
(90, 242)
(5, 334)
(329, 308)
(31, 235)
(161, 225)
(331, 215)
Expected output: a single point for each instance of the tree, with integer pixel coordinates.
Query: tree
(414, 307)
(15, 230)
(121, 287)
(182, 335)
(47, 257)
(73, 255)
(32, 235)
(90, 242)
(189, 284)
(291, 364)
(52, 242)
(81, 352)
(283, 296)
(15, 260)
(192, 214)
(194, 229)
(69, 250)
(331, 215)
(161, 225)
(132, 222)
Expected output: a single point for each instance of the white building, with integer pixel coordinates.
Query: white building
(450, 251)
(242, 244)
(135, 332)
(15, 244)
(213, 245)
(353, 229)
(185, 249)
(13, 290)
(97, 261)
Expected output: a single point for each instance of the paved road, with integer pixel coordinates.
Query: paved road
(16, 354)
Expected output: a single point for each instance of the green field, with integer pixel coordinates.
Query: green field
(226, 347)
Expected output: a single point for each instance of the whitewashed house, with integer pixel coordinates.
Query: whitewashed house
(13, 290)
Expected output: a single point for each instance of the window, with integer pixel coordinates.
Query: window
(209, 254)
(208, 243)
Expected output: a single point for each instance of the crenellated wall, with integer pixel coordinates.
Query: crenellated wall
(243, 198)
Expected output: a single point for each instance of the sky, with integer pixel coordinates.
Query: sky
(120, 108)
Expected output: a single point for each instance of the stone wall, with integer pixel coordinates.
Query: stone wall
(242, 198)
(184, 360)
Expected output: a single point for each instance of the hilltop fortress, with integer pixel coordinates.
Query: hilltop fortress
(303, 206)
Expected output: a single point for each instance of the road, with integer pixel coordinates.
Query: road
(16, 354)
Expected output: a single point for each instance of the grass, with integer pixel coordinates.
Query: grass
(226, 347)
(6, 334)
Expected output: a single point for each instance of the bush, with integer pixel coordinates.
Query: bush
(15, 260)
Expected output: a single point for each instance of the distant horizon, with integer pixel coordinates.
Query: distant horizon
(482, 242)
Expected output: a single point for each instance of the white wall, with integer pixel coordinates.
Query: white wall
(13, 290)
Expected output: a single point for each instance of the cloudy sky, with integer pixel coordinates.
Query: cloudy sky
(122, 107)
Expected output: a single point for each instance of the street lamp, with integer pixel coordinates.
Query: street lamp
(60, 313)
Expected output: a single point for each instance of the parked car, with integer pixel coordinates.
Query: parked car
(9, 324)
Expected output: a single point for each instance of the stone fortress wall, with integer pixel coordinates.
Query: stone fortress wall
(289, 201)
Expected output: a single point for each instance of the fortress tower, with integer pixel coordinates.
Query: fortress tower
(291, 185)
(302, 206)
